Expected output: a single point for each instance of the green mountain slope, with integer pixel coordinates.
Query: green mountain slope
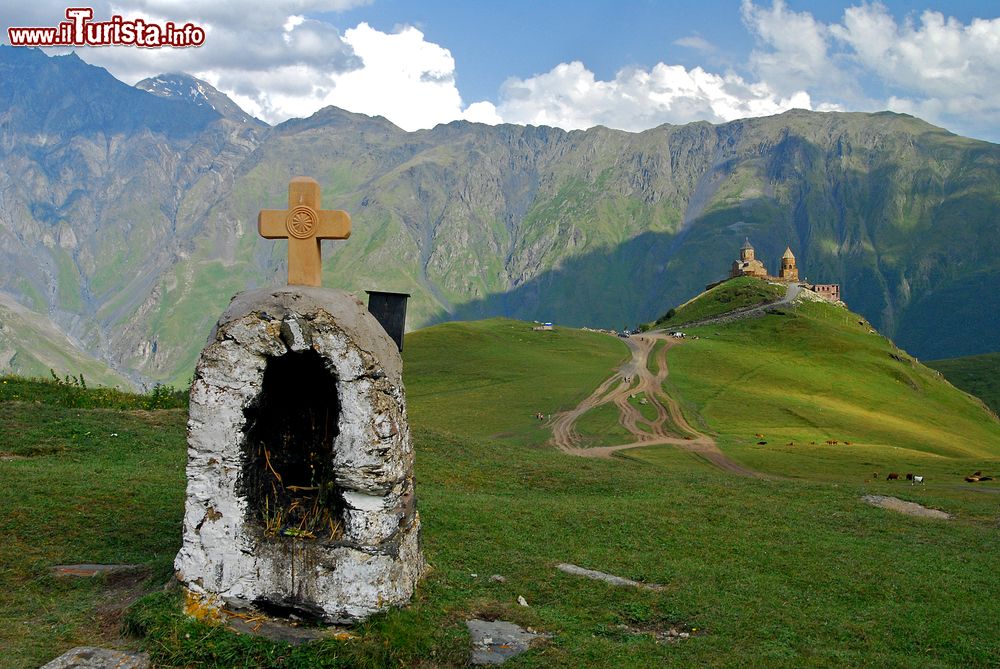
(31, 345)
(978, 375)
(131, 217)
(603, 227)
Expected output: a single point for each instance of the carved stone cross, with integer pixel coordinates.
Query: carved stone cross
(304, 224)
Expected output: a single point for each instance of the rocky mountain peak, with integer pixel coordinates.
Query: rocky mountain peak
(181, 86)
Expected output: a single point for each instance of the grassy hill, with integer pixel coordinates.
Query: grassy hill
(829, 398)
(817, 372)
(978, 375)
(779, 573)
(740, 293)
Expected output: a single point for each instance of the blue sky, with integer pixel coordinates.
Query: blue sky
(527, 38)
(630, 64)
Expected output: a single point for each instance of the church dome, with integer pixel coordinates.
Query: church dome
(788, 253)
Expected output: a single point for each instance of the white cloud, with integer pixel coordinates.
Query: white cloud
(570, 96)
(482, 112)
(796, 55)
(402, 72)
(248, 37)
(938, 68)
(696, 42)
(399, 75)
(939, 58)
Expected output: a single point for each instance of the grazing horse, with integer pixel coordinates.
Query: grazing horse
(892, 476)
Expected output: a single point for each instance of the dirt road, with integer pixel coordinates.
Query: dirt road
(669, 425)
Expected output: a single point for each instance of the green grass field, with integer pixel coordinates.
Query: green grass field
(790, 572)
(489, 378)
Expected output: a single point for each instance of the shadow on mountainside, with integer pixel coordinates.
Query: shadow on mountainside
(930, 268)
(609, 287)
(640, 279)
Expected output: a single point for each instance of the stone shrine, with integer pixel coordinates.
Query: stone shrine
(300, 497)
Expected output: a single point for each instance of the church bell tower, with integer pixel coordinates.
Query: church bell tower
(789, 272)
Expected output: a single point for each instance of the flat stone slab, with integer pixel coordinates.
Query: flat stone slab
(607, 578)
(494, 642)
(278, 630)
(902, 506)
(89, 657)
(90, 570)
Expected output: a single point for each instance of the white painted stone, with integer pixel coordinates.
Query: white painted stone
(363, 502)
(225, 556)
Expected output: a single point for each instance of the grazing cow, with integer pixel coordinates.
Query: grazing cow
(917, 479)
(909, 476)
(892, 476)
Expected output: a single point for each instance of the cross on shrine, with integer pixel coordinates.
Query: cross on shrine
(304, 224)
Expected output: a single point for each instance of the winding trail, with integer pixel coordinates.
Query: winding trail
(668, 427)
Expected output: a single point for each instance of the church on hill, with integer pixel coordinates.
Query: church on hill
(749, 265)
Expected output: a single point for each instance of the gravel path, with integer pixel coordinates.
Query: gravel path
(902, 506)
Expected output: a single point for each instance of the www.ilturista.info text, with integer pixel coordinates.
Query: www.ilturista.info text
(80, 30)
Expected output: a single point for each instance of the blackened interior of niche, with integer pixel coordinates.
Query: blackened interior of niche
(287, 473)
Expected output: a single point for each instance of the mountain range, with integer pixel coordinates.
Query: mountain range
(128, 214)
